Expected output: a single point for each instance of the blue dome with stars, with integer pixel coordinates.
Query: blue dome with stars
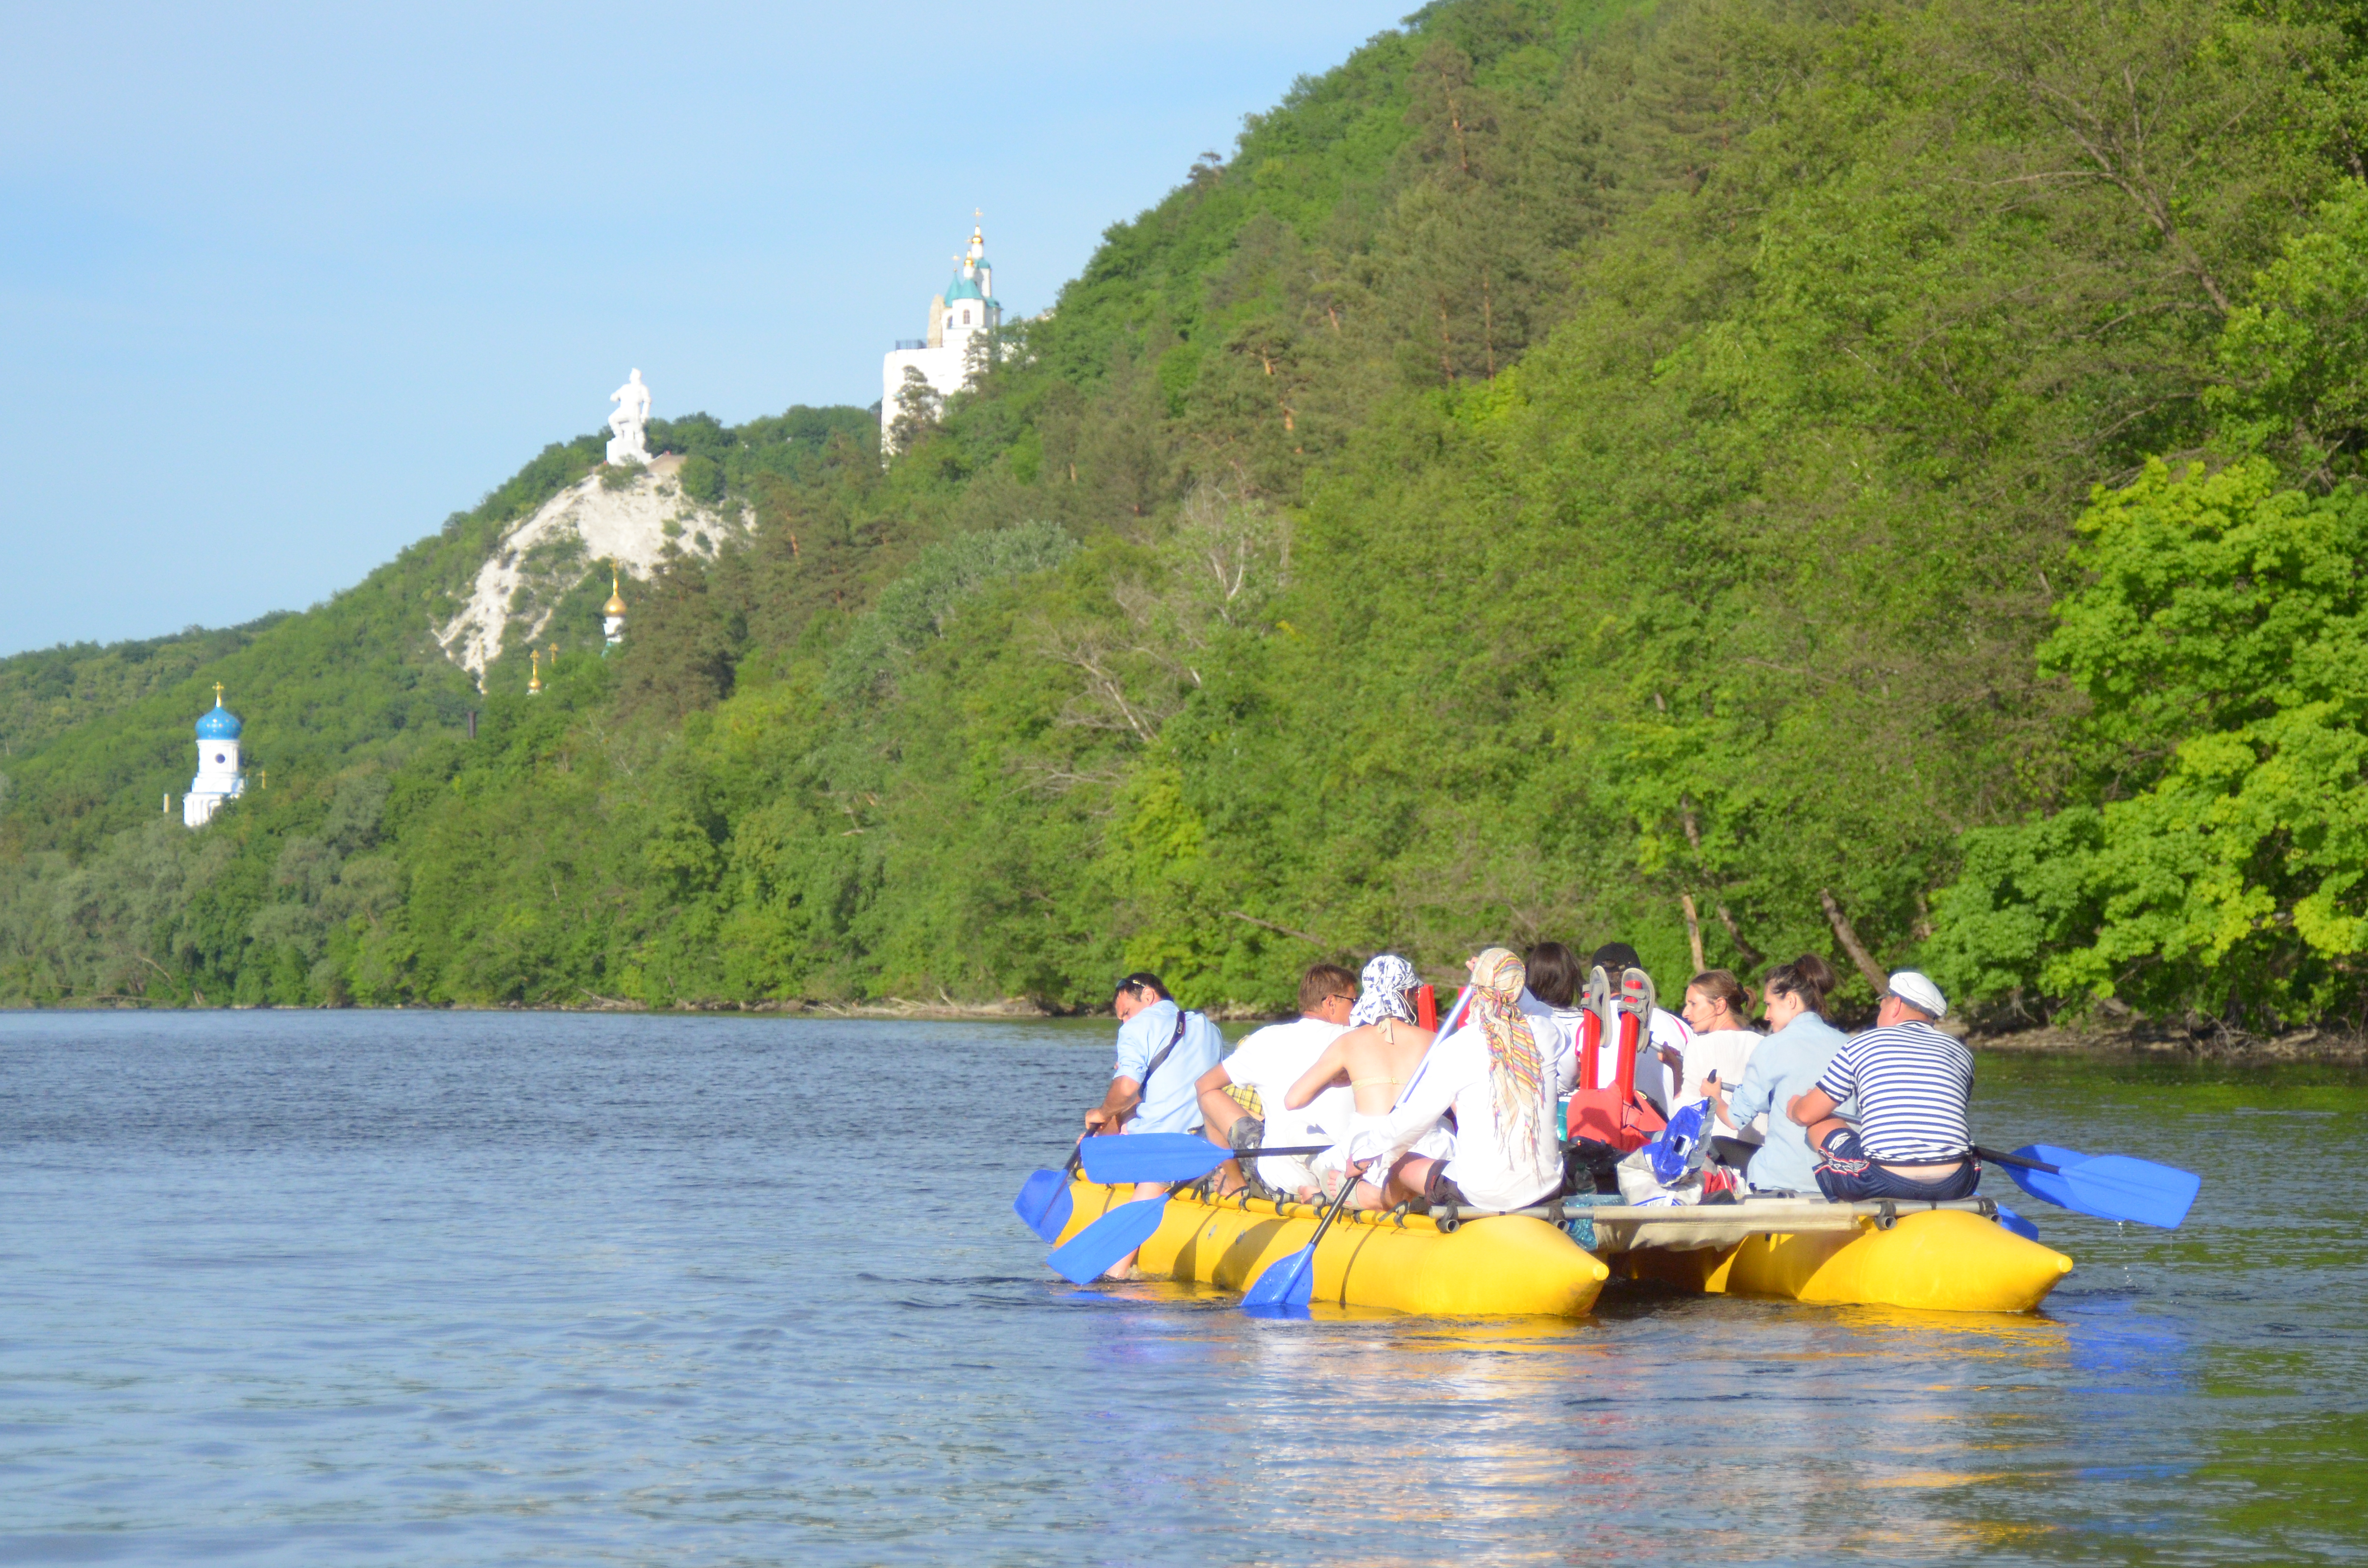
(221, 724)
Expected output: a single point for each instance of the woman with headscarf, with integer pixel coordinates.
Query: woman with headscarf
(1500, 1074)
(1382, 1047)
(1375, 1060)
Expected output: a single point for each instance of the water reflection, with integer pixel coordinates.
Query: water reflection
(1664, 1416)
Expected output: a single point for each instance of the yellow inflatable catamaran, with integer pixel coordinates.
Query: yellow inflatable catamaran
(1939, 1258)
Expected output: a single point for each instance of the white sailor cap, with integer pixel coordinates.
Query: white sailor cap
(1919, 993)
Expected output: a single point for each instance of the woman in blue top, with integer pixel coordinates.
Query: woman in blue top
(1786, 1064)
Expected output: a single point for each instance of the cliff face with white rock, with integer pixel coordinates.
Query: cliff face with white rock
(574, 534)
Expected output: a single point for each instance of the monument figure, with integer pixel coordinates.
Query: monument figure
(633, 401)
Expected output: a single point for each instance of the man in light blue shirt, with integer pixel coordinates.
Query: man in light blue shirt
(1151, 1084)
(1161, 1051)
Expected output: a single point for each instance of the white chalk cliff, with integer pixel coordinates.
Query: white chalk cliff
(570, 538)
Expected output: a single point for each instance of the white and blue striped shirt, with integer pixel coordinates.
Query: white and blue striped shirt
(1912, 1081)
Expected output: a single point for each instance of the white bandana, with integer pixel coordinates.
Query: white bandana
(1382, 991)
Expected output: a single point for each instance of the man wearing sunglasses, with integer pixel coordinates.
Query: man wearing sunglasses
(1266, 1064)
(1162, 1050)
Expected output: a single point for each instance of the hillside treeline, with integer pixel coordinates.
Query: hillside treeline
(1738, 475)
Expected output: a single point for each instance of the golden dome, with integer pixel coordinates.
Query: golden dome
(616, 605)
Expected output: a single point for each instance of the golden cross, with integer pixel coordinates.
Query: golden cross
(217, 693)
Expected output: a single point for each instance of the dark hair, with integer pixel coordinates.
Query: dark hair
(1553, 974)
(1809, 977)
(1613, 957)
(1721, 986)
(1323, 981)
(1142, 980)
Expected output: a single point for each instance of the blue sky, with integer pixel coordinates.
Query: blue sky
(281, 287)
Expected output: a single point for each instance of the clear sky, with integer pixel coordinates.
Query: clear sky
(283, 286)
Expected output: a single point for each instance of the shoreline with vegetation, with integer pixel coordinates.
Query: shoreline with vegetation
(2141, 1042)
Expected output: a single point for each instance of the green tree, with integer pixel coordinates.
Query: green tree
(2223, 646)
(919, 410)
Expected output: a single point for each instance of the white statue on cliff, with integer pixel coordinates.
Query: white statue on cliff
(633, 401)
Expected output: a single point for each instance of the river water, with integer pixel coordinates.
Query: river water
(451, 1288)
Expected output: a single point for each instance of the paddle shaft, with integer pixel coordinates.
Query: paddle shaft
(1260, 1153)
(1996, 1158)
(1348, 1186)
(1307, 1253)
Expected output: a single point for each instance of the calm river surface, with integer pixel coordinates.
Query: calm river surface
(444, 1288)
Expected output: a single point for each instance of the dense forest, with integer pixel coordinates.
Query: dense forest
(1738, 475)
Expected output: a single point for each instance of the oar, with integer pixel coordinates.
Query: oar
(1454, 1014)
(1044, 1204)
(1289, 1283)
(1118, 1158)
(1086, 1257)
(2109, 1186)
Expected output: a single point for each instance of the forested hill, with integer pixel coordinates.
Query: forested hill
(1737, 475)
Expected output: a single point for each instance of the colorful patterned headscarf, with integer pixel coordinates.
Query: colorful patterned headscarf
(1382, 991)
(1516, 1075)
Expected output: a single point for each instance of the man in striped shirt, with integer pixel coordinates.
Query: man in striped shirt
(1912, 1083)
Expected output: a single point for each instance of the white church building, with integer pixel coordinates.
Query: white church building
(217, 778)
(957, 317)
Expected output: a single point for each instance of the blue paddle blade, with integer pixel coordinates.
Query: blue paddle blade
(1086, 1257)
(2016, 1223)
(1119, 1158)
(1044, 1204)
(2109, 1186)
(1287, 1282)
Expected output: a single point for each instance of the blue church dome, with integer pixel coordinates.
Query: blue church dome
(221, 724)
(963, 289)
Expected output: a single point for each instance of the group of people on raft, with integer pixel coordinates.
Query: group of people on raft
(1472, 1117)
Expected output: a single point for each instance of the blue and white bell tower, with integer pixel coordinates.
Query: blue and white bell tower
(217, 778)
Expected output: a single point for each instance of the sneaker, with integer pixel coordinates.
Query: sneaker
(1598, 998)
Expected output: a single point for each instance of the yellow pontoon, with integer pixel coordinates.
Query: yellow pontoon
(1946, 1257)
